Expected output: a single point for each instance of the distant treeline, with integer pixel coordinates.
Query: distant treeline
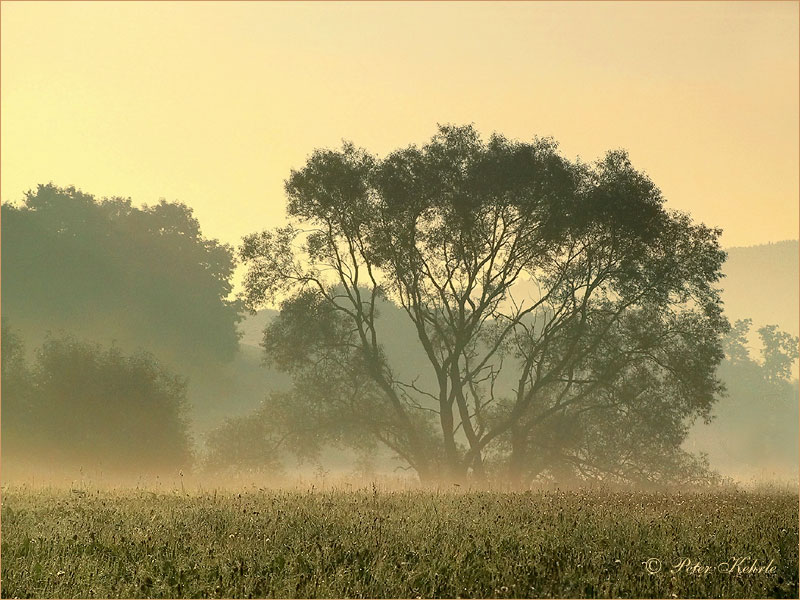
(754, 431)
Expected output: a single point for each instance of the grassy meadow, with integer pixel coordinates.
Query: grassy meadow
(379, 543)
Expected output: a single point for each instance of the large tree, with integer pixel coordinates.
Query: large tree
(107, 270)
(551, 300)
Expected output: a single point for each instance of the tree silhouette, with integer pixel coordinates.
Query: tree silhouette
(106, 270)
(572, 281)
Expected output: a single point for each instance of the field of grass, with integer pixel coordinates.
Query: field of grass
(374, 543)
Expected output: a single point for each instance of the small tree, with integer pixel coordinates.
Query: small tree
(93, 407)
(18, 397)
(780, 352)
(260, 441)
(508, 261)
(755, 428)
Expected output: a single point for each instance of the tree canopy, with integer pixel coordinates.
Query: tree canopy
(109, 271)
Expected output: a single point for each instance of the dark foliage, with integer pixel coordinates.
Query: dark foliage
(106, 270)
(81, 405)
(553, 304)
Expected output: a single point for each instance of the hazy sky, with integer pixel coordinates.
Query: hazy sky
(212, 104)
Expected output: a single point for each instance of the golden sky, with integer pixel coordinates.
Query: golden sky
(212, 104)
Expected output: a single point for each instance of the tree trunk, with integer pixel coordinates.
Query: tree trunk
(479, 471)
(518, 459)
(453, 470)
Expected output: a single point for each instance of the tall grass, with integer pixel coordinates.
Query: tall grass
(377, 543)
